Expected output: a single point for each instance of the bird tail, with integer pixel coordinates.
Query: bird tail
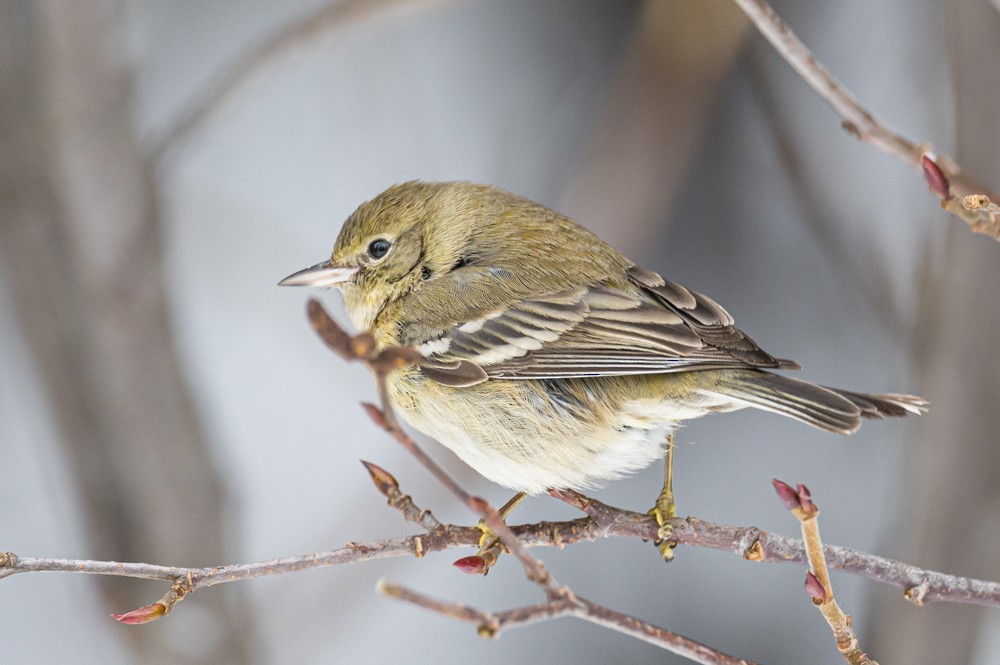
(831, 409)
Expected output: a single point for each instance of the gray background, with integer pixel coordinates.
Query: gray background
(672, 130)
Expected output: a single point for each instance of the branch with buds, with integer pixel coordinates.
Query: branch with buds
(966, 199)
(799, 502)
(601, 521)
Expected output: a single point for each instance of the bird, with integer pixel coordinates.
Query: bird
(549, 359)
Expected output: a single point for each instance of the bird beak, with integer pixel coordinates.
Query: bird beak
(321, 274)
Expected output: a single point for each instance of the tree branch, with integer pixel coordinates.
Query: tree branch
(966, 199)
(799, 502)
(753, 544)
(603, 521)
(491, 624)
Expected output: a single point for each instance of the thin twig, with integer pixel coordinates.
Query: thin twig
(753, 544)
(603, 521)
(968, 200)
(799, 502)
(491, 624)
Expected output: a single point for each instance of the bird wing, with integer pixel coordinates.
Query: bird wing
(595, 330)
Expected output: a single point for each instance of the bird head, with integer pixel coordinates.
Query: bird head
(469, 246)
(391, 244)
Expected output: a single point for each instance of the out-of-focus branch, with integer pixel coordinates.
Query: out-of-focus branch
(81, 246)
(799, 502)
(966, 199)
(642, 147)
(324, 20)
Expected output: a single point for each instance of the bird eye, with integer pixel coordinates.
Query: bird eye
(379, 248)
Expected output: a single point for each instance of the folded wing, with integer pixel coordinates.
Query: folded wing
(654, 326)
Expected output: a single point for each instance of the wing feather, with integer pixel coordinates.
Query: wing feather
(654, 326)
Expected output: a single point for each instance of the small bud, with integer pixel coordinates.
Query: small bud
(478, 504)
(471, 565)
(383, 480)
(332, 334)
(815, 589)
(976, 202)
(805, 498)
(787, 494)
(571, 497)
(915, 594)
(374, 413)
(755, 552)
(936, 179)
(143, 614)
(487, 630)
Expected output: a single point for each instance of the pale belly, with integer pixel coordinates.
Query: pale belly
(531, 436)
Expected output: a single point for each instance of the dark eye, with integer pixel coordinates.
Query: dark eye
(379, 248)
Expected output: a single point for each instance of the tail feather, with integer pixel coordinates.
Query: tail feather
(885, 405)
(831, 409)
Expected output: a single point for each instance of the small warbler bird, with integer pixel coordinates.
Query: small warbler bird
(551, 360)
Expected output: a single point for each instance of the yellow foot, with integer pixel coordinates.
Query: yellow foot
(490, 545)
(664, 511)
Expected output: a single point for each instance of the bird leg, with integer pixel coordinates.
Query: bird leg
(665, 508)
(489, 543)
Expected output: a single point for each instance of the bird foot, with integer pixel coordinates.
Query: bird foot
(490, 545)
(664, 511)
(490, 549)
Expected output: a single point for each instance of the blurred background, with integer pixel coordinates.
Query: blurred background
(164, 163)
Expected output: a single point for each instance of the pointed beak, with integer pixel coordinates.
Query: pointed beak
(321, 274)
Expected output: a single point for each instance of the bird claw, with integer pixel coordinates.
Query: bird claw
(664, 511)
(665, 531)
(490, 549)
(489, 536)
(490, 545)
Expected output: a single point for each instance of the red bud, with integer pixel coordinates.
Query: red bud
(383, 480)
(805, 498)
(143, 614)
(332, 335)
(936, 179)
(375, 414)
(815, 588)
(479, 505)
(787, 494)
(471, 565)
